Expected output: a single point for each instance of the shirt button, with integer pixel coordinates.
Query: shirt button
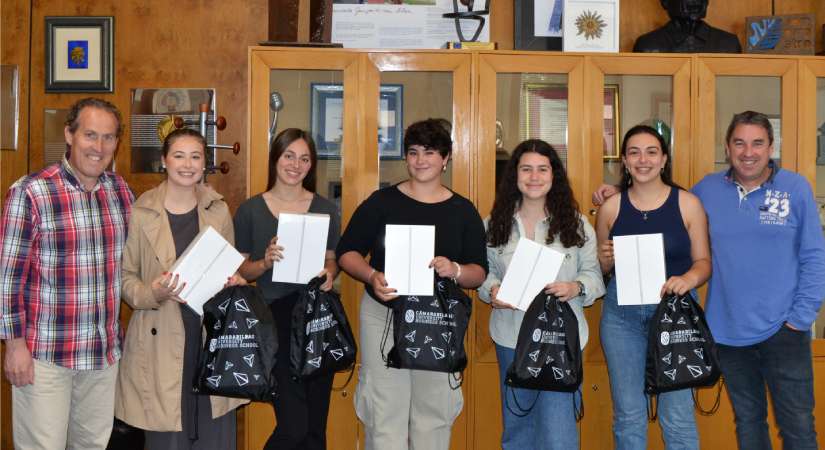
(154, 331)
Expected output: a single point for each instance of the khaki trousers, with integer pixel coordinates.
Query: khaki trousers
(64, 409)
(400, 408)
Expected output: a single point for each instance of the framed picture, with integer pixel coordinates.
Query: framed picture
(327, 120)
(79, 54)
(591, 26)
(545, 117)
(538, 24)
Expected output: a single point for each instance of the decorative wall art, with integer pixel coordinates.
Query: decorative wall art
(591, 26)
(545, 113)
(79, 54)
(792, 34)
(327, 120)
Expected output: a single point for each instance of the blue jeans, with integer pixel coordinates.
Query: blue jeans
(783, 362)
(624, 334)
(550, 425)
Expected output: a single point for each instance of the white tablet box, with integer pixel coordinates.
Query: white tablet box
(640, 268)
(205, 266)
(531, 268)
(408, 250)
(304, 239)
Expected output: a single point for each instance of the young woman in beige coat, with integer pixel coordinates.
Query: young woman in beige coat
(154, 389)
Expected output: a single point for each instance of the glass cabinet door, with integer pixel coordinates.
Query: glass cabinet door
(629, 91)
(811, 159)
(731, 85)
(415, 86)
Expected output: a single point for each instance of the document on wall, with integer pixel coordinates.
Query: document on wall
(532, 267)
(304, 239)
(408, 250)
(413, 24)
(205, 266)
(640, 268)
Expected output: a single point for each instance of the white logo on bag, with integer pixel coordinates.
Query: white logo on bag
(536, 335)
(409, 316)
(665, 338)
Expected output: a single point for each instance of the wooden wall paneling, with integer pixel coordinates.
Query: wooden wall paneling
(502, 23)
(704, 123)
(14, 29)
(236, 24)
(678, 68)
(591, 179)
(783, 67)
(282, 20)
(595, 428)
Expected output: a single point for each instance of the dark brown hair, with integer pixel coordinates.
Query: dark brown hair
(559, 203)
(667, 171)
(750, 118)
(91, 102)
(430, 133)
(283, 140)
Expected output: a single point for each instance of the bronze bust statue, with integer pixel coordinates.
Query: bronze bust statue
(687, 32)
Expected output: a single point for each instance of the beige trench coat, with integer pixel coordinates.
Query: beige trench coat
(148, 393)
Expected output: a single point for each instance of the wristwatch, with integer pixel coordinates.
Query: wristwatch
(582, 290)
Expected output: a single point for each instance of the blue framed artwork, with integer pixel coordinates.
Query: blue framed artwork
(327, 119)
(79, 54)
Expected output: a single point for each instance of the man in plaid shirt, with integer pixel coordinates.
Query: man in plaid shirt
(62, 233)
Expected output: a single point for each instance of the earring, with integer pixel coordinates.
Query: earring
(444, 168)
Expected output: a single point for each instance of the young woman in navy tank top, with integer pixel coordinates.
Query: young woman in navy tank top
(649, 202)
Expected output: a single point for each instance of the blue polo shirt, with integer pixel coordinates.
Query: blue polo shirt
(768, 256)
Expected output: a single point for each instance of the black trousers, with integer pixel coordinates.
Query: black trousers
(301, 407)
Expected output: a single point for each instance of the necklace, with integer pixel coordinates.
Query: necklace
(644, 213)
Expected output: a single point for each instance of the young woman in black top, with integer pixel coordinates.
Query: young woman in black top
(402, 407)
(301, 407)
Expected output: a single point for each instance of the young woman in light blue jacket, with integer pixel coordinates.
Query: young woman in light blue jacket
(535, 201)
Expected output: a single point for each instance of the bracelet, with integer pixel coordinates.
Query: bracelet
(369, 277)
(458, 272)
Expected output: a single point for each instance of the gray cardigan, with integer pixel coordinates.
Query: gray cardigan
(579, 264)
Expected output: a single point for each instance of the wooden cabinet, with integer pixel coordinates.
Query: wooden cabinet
(494, 99)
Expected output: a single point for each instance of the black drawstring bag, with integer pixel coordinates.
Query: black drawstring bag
(322, 340)
(548, 352)
(428, 331)
(681, 352)
(238, 353)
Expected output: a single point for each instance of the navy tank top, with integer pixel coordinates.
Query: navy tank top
(666, 219)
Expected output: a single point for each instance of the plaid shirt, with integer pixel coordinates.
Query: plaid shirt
(60, 266)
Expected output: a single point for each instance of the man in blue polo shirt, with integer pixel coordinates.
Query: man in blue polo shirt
(767, 286)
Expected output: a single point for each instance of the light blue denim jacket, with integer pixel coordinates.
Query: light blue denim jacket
(579, 264)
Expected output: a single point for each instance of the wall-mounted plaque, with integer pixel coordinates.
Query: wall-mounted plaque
(791, 34)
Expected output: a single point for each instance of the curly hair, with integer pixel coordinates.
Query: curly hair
(430, 133)
(559, 203)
